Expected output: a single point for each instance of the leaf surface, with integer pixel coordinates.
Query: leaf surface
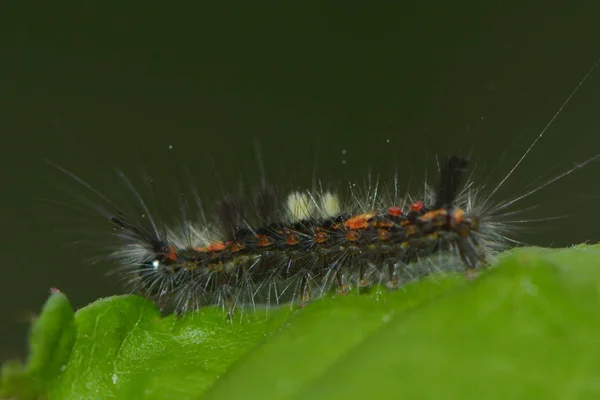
(528, 328)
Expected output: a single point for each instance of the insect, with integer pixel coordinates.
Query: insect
(270, 247)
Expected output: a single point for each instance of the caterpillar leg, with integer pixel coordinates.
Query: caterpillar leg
(471, 256)
(364, 279)
(341, 282)
(393, 275)
(305, 291)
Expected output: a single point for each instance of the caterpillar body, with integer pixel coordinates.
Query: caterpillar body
(270, 247)
(314, 245)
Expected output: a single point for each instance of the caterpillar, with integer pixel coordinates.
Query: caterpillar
(314, 245)
(270, 247)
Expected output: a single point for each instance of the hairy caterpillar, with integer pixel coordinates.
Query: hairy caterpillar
(271, 247)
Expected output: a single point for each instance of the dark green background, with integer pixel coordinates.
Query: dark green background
(94, 86)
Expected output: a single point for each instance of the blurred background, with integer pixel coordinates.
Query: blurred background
(146, 88)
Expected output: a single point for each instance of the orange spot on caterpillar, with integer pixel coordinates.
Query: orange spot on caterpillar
(430, 215)
(437, 217)
(292, 239)
(216, 246)
(383, 224)
(359, 222)
(321, 237)
(460, 225)
(457, 216)
(264, 240)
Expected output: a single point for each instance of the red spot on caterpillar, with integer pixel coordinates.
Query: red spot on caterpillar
(395, 211)
(172, 255)
(416, 206)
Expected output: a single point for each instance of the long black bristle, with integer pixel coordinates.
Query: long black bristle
(230, 212)
(451, 174)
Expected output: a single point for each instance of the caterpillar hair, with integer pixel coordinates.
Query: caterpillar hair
(271, 247)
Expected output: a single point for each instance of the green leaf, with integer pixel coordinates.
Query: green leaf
(529, 328)
(50, 343)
